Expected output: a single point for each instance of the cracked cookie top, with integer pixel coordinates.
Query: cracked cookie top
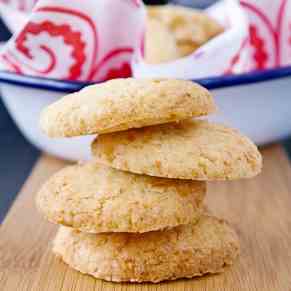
(121, 104)
(197, 150)
(94, 198)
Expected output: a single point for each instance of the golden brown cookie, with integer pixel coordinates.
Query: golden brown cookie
(182, 252)
(196, 150)
(191, 28)
(121, 104)
(157, 35)
(94, 198)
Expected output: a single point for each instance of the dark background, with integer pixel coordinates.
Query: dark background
(17, 156)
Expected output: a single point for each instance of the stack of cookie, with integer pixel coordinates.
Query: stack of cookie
(136, 212)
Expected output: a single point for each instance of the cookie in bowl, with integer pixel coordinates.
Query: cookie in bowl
(175, 31)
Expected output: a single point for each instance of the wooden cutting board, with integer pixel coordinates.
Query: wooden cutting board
(259, 209)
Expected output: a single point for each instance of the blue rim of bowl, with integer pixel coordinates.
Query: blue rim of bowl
(210, 83)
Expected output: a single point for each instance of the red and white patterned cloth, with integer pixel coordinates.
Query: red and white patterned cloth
(270, 32)
(84, 40)
(93, 40)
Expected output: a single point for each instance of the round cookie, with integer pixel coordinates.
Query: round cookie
(121, 104)
(191, 28)
(94, 198)
(157, 34)
(182, 252)
(191, 149)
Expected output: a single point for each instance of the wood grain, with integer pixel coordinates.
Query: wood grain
(259, 209)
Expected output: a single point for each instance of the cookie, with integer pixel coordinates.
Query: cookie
(182, 252)
(190, 149)
(94, 198)
(191, 28)
(121, 104)
(157, 35)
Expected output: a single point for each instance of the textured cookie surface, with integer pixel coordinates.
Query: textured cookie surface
(191, 28)
(121, 104)
(182, 252)
(95, 198)
(196, 150)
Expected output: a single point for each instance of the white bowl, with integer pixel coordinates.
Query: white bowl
(258, 104)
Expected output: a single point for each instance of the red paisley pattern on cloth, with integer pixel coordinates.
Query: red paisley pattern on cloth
(260, 54)
(114, 65)
(268, 32)
(93, 40)
(66, 40)
(57, 51)
(70, 38)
